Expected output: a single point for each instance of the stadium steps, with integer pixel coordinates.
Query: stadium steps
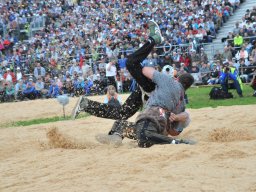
(228, 26)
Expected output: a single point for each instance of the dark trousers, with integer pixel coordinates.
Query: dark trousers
(225, 86)
(144, 131)
(134, 67)
(132, 104)
(124, 129)
(147, 134)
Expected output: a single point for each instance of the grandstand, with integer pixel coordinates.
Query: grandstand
(73, 48)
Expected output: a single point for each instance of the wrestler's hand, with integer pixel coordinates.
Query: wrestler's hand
(179, 117)
(172, 132)
(173, 117)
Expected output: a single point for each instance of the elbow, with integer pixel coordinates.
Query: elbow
(143, 71)
(148, 72)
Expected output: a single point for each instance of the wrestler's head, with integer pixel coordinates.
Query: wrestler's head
(186, 80)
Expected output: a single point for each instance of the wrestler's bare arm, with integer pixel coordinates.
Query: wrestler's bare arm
(148, 72)
(182, 117)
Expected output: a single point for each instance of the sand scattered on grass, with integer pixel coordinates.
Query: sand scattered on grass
(56, 139)
(229, 135)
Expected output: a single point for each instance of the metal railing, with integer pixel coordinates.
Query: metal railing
(30, 26)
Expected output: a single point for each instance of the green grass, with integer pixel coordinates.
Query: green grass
(41, 121)
(199, 98)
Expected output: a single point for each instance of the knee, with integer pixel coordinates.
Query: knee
(143, 134)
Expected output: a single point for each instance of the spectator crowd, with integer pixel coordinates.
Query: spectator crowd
(73, 47)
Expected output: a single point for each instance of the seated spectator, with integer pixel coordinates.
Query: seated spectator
(54, 90)
(19, 74)
(30, 91)
(20, 87)
(235, 63)
(253, 84)
(39, 71)
(230, 38)
(218, 56)
(242, 54)
(227, 54)
(205, 73)
(59, 81)
(68, 88)
(122, 62)
(47, 81)
(176, 59)
(187, 61)
(194, 70)
(80, 76)
(253, 12)
(251, 68)
(182, 70)
(88, 83)
(238, 41)
(203, 56)
(167, 60)
(253, 55)
(9, 92)
(214, 76)
(195, 58)
(112, 98)
(2, 89)
(78, 86)
(41, 92)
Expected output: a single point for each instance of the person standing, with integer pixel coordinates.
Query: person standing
(111, 73)
(9, 76)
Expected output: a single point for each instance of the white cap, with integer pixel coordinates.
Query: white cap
(171, 70)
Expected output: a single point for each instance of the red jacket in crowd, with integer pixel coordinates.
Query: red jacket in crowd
(12, 74)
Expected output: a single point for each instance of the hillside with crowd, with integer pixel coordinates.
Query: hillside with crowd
(49, 48)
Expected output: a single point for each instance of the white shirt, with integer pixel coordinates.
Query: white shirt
(9, 78)
(19, 76)
(111, 72)
(85, 69)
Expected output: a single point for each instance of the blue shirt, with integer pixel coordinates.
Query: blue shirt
(122, 63)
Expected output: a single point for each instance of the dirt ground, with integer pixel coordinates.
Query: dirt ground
(69, 158)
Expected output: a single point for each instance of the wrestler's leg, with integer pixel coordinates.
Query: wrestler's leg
(132, 104)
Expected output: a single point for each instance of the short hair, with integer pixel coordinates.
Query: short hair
(186, 80)
(111, 87)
